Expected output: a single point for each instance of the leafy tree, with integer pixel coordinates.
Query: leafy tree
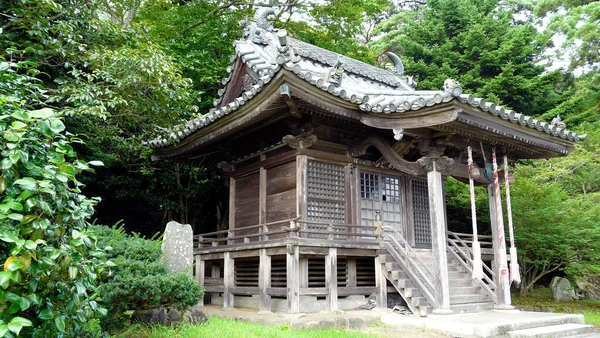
(579, 22)
(49, 260)
(477, 43)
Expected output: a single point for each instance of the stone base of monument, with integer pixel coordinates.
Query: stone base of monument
(169, 316)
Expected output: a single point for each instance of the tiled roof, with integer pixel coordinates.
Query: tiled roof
(267, 51)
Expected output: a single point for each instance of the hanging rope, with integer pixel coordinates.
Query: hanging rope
(515, 276)
(501, 239)
(477, 263)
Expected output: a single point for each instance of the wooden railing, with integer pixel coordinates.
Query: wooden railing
(462, 252)
(410, 263)
(289, 228)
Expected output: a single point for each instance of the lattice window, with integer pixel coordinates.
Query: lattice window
(326, 193)
(420, 199)
(322, 211)
(326, 181)
(369, 186)
(390, 189)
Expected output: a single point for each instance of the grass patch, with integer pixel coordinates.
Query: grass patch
(541, 298)
(218, 327)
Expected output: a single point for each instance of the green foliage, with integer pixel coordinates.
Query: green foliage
(552, 231)
(219, 327)
(50, 261)
(477, 43)
(139, 280)
(579, 22)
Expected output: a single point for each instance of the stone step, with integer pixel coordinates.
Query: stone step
(469, 299)
(458, 282)
(465, 290)
(472, 307)
(587, 335)
(561, 330)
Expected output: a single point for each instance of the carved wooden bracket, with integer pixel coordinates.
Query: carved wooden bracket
(397, 161)
(442, 164)
(225, 166)
(303, 141)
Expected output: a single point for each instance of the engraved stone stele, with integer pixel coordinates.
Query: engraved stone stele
(178, 247)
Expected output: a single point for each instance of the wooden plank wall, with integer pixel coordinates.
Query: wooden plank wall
(281, 192)
(246, 200)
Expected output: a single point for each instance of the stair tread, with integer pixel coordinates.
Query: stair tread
(560, 330)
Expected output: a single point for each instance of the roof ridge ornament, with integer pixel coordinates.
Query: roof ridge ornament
(260, 17)
(557, 121)
(398, 66)
(452, 87)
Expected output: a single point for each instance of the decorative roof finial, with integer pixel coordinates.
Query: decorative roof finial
(557, 121)
(452, 87)
(398, 67)
(260, 17)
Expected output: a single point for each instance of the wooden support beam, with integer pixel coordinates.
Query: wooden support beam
(231, 203)
(331, 279)
(502, 286)
(199, 266)
(264, 281)
(292, 276)
(351, 272)
(303, 269)
(380, 284)
(301, 186)
(228, 280)
(215, 273)
(438, 239)
(262, 199)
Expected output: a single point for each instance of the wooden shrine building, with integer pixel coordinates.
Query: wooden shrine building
(336, 172)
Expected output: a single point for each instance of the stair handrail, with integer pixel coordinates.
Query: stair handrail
(412, 265)
(463, 254)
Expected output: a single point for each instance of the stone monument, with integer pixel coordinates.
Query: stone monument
(178, 247)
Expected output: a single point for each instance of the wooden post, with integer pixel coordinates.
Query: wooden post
(379, 230)
(331, 279)
(231, 203)
(438, 240)
(351, 272)
(303, 270)
(381, 284)
(262, 200)
(293, 278)
(228, 279)
(215, 273)
(502, 286)
(264, 281)
(301, 186)
(200, 275)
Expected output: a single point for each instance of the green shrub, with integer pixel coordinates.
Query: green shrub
(48, 261)
(139, 280)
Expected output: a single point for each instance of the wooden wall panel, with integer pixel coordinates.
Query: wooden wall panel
(246, 201)
(281, 178)
(281, 192)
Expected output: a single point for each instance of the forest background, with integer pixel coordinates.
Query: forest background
(122, 71)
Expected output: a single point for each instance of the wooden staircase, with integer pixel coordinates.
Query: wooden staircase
(409, 271)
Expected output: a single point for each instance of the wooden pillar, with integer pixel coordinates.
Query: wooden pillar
(438, 239)
(301, 186)
(200, 275)
(351, 272)
(264, 281)
(228, 279)
(262, 196)
(303, 270)
(331, 279)
(215, 272)
(502, 286)
(381, 284)
(231, 203)
(293, 278)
